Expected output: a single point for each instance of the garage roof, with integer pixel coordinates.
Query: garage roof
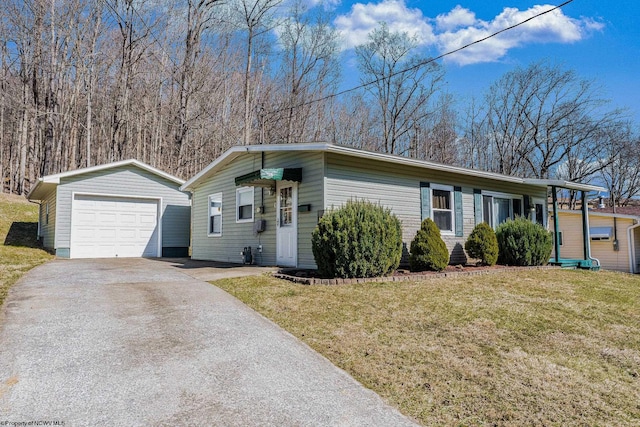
(47, 183)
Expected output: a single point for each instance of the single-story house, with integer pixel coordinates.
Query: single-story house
(121, 209)
(270, 197)
(614, 238)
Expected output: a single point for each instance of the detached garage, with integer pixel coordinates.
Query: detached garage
(121, 209)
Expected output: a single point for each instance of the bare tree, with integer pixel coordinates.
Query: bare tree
(176, 84)
(537, 117)
(309, 71)
(256, 18)
(354, 123)
(436, 137)
(199, 18)
(621, 171)
(401, 84)
(475, 152)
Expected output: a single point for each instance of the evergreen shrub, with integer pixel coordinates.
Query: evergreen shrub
(428, 251)
(523, 243)
(360, 239)
(482, 244)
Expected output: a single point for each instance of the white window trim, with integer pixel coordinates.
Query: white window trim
(253, 200)
(448, 188)
(214, 197)
(502, 195)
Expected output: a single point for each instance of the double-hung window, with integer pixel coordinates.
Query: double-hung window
(215, 214)
(244, 204)
(442, 208)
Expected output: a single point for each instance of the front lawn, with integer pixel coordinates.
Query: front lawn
(18, 234)
(528, 348)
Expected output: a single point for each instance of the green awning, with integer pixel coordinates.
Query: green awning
(266, 177)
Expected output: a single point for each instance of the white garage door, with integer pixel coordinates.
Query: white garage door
(107, 227)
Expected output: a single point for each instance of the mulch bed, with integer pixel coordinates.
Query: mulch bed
(311, 277)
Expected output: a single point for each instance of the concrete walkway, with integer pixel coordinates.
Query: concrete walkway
(138, 343)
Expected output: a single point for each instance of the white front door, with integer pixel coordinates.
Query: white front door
(287, 224)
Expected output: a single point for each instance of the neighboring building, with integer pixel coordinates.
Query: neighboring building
(614, 238)
(270, 197)
(121, 209)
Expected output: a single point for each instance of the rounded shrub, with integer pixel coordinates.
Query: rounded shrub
(523, 243)
(360, 239)
(428, 251)
(482, 244)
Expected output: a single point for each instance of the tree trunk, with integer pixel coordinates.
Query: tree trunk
(247, 90)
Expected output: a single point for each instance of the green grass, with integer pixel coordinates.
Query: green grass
(533, 348)
(18, 246)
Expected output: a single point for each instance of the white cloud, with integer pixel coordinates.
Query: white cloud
(460, 26)
(458, 17)
(363, 18)
(553, 27)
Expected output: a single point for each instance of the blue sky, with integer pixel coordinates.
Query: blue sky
(599, 40)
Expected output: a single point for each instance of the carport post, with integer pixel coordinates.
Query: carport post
(585, 225)
(556, 226)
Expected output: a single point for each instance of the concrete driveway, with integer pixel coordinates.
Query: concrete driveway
(137, 342)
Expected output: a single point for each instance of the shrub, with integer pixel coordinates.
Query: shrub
(360, 239)
(428, 251)
(482, 244)
(522, 242)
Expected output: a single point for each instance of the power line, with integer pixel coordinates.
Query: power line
(421, 63)
(360, 86)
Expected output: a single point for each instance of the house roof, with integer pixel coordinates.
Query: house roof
(624, 210)
(47, 183)
(601, 212)
(236, 151)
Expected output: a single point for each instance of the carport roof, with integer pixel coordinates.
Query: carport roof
(48, 183)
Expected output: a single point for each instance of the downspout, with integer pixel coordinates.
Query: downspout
(585, 229)
(192, 214)
(616, 244)
(632, 248)
(262, 188)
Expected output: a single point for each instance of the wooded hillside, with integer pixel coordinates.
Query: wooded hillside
(174, 84)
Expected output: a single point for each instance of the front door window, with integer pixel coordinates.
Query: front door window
(286, 207)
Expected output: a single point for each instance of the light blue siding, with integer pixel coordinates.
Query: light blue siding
(236, 236)
(126, 181)
(47, 228)
(399, 188)
(329, 180)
